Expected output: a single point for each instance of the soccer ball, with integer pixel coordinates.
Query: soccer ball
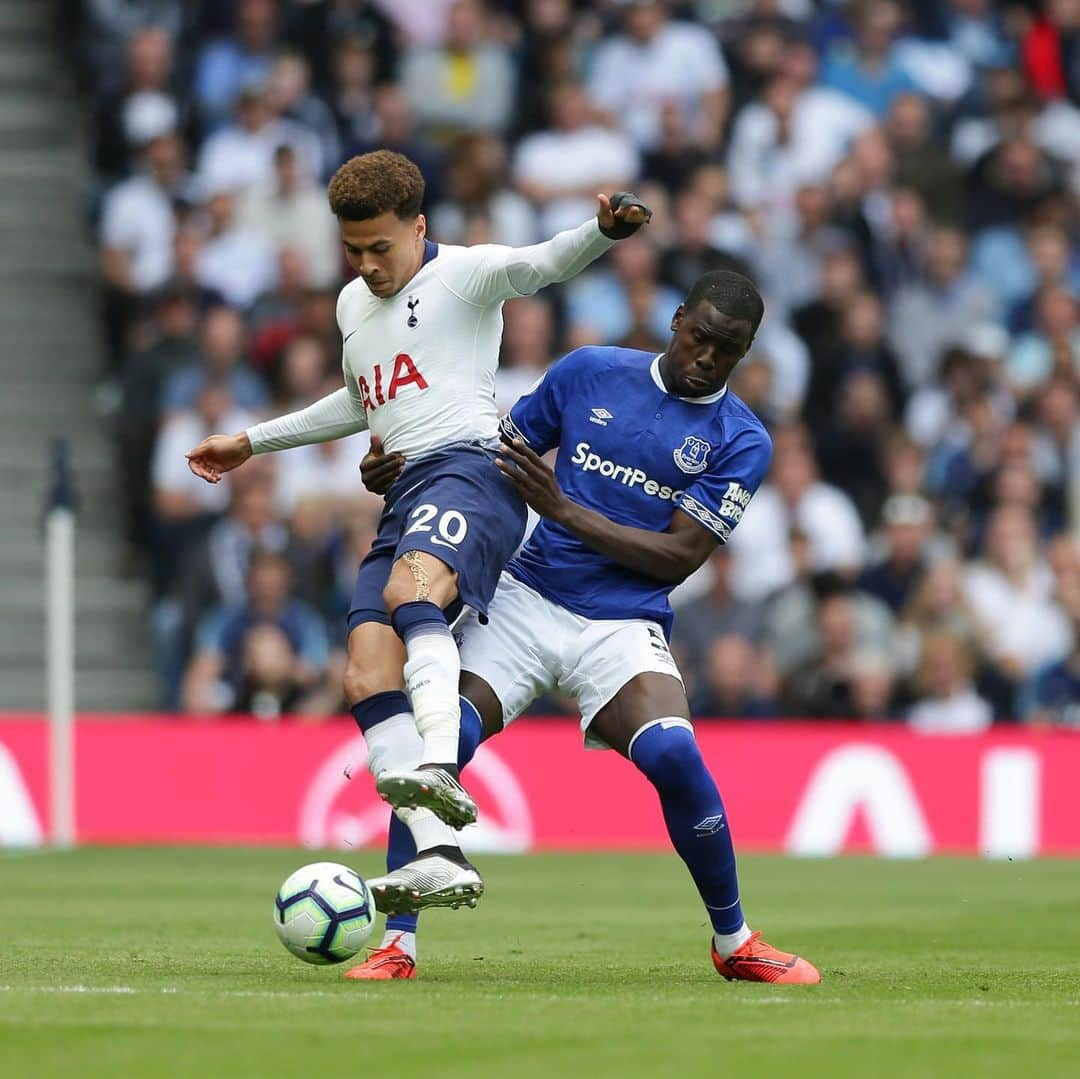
(324, 913)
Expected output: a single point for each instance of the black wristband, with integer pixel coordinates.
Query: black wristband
(620, 230)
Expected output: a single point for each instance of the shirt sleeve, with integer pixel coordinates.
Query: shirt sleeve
(336, 415)
(718, 499)
(537, 417)
(489, 273)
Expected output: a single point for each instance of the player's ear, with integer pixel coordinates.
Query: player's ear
(676, 319)
(421, 226)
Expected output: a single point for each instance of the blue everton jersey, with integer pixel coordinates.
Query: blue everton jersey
(637, 454)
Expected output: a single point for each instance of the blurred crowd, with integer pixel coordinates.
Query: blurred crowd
(900, 178)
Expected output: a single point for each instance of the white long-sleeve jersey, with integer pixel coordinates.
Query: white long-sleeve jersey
(420, 366)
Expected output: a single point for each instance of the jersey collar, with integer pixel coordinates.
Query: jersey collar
(658, 378)
(430, 252)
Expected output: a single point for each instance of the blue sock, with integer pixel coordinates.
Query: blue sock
(380, 706)
(420, 614)
(400, 847)
(670, 759)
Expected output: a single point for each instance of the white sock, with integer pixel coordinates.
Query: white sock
(400, 939)
(431, 678)
(395, 745)
(427, 830)
(726, 943)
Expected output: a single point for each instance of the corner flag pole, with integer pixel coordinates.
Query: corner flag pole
(60, 643)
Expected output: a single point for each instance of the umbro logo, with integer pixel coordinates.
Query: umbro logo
(601, 416)
(709, 826)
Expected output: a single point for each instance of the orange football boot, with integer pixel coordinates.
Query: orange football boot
(383, 964)
(757, 961)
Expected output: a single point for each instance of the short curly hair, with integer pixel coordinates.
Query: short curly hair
(372, 184)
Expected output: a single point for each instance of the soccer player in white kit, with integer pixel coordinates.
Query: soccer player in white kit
(421, 326)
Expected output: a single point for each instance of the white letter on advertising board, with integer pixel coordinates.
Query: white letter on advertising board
(19, 825)
(1009, 804)
(853, 778)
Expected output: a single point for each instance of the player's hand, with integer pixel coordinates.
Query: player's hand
(535, 481)
(621, 215)
(378, 470)
(218, 454)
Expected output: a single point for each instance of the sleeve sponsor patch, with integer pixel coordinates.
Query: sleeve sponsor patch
(703, 515)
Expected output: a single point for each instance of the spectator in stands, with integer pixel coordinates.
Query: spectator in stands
(148, 96)
(863, 349)
(1052, 696)
(1010, 591)
(735, 681)
(1053, 347)
(228, 65)
(261, 656)
(922, 164)
(172, 345)
(655, 60)
(562, 168)
(528, 347)
(872, 685)
(794, 134)
(892, 578)
(233, 262)
(138, 222)
(477, 191)
(930, 316)
(868, 68)
(292, 99)
(851, 450)
(823, 686)
(467, 84)
(937, 603)
(109, 29)
(292, 213)
(317, 27)
(598, 302)
(241, 154)
(222, 360)
(947, 702)
(795, 497)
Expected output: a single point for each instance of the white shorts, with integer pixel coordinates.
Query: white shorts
(531, 646)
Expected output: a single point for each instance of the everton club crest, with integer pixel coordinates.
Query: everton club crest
(693, 455)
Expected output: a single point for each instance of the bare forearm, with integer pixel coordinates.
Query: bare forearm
(660, 555)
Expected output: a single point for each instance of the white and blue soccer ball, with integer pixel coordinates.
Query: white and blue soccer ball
(324, 913)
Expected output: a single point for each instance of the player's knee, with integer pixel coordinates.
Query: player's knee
(668, 756)
(361, 683)
(399, 589)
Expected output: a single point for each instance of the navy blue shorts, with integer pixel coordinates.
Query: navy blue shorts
(455, 505)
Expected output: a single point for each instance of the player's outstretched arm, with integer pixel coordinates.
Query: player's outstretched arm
(669, 556)
(501, 273)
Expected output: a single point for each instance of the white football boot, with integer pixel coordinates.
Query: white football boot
(428, 788)
(429, 880)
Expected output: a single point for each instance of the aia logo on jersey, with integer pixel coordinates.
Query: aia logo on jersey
(413, 304)
(693, 455)
(404, 374)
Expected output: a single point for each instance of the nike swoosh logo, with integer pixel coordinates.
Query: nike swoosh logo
(443, 543)
(350, 333)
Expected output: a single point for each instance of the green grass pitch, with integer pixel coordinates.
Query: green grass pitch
(132, 962)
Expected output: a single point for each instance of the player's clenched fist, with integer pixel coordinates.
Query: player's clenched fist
(218, 454)
(621, 215)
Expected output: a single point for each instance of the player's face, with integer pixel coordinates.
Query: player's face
(704, 349)
(385, 251)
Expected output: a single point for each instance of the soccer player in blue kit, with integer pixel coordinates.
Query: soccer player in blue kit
(657, 462)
